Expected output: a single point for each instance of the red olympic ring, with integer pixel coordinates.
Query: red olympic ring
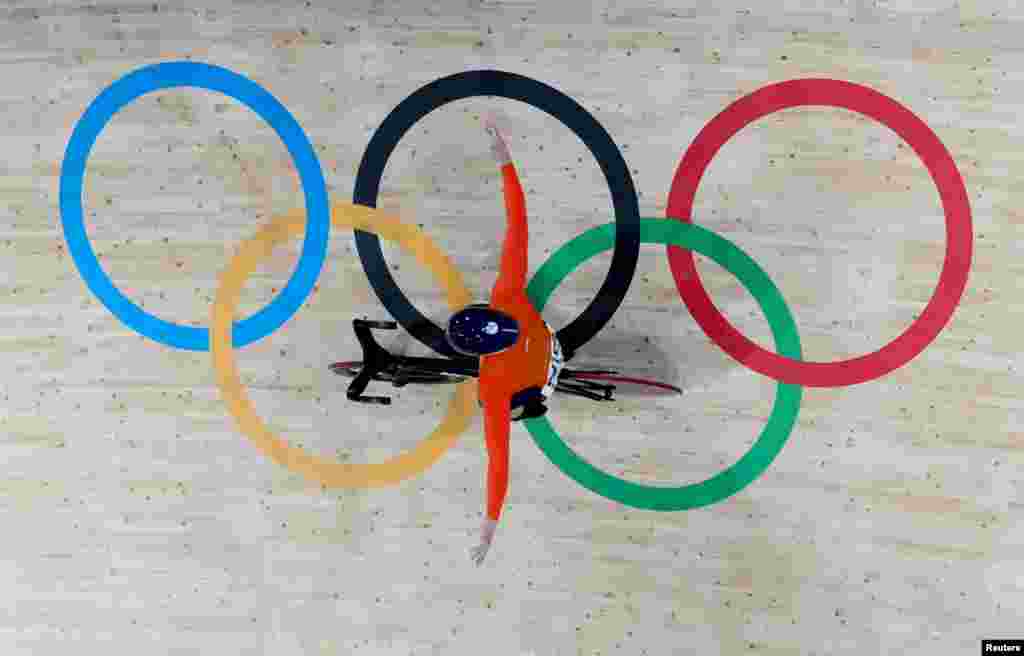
(943, 170)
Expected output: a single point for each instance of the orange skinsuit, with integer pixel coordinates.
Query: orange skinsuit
(528, 363)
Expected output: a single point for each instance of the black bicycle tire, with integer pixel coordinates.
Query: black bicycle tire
(616, 378)
(351, 369)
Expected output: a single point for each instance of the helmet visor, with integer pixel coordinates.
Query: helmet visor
(481, 330)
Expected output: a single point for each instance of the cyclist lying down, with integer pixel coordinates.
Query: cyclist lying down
(520, 357)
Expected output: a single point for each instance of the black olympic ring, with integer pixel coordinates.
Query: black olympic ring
(561, 107)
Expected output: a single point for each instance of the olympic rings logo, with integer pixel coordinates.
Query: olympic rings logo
(623, 237)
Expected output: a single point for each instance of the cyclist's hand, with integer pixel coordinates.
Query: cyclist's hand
(479, 552)
(499, 149)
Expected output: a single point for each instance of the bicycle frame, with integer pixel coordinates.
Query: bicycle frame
(377, 360)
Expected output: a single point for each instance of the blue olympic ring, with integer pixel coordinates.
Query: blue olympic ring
(214, 78)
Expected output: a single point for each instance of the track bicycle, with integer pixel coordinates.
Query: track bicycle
(380, 365)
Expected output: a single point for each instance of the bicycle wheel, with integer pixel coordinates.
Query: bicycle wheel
(629, 385)
(351, 369)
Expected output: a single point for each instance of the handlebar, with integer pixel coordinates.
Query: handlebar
(375, 360)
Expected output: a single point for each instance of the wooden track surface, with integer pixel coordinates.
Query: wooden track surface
(138, 519)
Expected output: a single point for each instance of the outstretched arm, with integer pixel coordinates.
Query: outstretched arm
(512, 274)
(497, 426)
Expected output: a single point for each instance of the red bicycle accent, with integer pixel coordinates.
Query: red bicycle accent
(628, 380)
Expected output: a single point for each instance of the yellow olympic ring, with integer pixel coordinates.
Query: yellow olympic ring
(328, 473)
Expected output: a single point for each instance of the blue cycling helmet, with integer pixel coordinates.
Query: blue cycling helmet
(479, 329)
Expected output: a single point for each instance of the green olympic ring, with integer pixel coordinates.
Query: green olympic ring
(787, 398)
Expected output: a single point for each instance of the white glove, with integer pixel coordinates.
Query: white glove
(498, 146)
(479, 552)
